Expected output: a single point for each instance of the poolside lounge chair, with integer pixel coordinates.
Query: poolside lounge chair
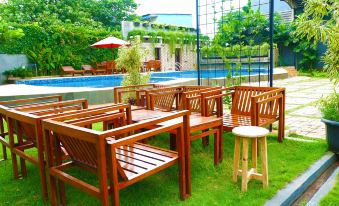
(71, 70)
(88, 68)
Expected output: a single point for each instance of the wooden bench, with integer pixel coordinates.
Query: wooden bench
(27, 128)
(18, 103)
(118, 162)
(252, 106)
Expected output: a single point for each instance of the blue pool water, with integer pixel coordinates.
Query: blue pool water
(115, 80)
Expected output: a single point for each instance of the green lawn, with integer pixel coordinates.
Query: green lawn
(332, 198)
(210, 185)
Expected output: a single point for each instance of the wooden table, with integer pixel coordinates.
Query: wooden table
(196, 123)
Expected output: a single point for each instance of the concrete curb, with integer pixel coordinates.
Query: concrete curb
(324, 189)
(297, 187)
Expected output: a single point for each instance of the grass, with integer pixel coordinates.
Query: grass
(332, 198)
(211, 185)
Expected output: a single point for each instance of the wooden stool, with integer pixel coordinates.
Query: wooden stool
(255, 134)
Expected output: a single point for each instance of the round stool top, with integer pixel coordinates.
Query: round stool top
(250, 131)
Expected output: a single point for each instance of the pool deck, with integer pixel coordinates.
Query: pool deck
(10, 90)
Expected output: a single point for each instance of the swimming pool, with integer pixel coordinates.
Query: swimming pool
(115, 80)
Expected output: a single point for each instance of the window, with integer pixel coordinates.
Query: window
(157, 53)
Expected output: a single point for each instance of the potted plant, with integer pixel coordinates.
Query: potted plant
(329, 107)
(131, 58)
(319, 24)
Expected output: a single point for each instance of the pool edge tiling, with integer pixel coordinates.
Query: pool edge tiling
(108, 81)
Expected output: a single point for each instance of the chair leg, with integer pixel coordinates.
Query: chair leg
(62, 192)
(173, 143)
(15, 166)
(53, 191)
(221, 142)
(236, 159)
(281, 131)
(216, 147)
(42, 166)
(254, 153)
(244, 165)
(264, 162)
(23, 167)
(205, 140)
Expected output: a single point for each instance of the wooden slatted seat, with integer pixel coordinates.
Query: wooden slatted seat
(138, 159)
(253, 106)
(27, 127)
(19, 103)
(118, 163)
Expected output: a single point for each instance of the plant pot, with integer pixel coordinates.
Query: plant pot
(332, 135)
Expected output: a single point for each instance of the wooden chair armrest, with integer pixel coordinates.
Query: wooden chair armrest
(270, 99)
(279, 90)
(145, 124)
(219, 95)
(143, 135)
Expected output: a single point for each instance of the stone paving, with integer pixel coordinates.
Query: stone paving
(302, 114)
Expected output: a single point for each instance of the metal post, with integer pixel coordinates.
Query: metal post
(198, 41)
(271, 41)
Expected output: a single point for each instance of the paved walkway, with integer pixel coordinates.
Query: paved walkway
(302, 114)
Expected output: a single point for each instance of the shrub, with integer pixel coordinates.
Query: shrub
(329, 107)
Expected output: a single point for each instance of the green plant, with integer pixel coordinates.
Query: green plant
(21, 72)
(329, 107)
(320, 23)
(131, 58)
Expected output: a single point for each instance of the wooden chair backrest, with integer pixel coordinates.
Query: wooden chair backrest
(157, 65)
(120, 91)
(243, 95)
(26, 119)
(165, 101)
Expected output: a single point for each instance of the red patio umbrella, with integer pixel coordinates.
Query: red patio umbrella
(110, 42)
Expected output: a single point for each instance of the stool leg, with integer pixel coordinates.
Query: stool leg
(254, 154)
(236, 159)
(264, 162)
(244, 165)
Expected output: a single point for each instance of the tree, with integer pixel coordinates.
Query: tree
(8, 33)
(131, 58)
(94, 13)
(320, 23)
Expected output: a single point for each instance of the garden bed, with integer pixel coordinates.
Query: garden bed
(210, 185)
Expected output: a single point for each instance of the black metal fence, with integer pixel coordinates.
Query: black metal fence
(234, 42)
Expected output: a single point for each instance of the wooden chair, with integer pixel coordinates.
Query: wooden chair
(90, 69)
(111, 67)
(27, 127)
(206, 125)
(157, 65)
(120, 92)
(254, 106)
(17, 103)
(70, 70)
(118, 162)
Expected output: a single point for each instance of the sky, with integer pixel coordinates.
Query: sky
(181, 6)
